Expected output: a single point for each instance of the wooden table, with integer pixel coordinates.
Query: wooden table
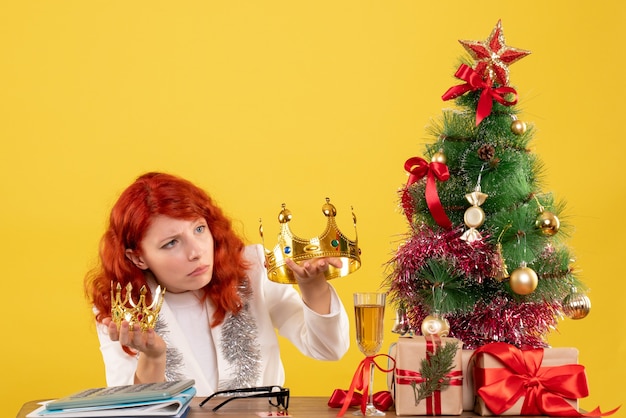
(299, 407)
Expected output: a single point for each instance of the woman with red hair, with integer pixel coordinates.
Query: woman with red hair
(220, 311)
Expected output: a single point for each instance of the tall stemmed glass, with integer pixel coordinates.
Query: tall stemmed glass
(369, 311)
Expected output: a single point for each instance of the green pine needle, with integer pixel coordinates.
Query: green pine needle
(434, 371)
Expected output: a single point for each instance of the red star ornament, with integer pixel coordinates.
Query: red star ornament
(493, 57)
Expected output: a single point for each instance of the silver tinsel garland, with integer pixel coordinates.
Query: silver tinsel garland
(240, 345)
(173, 357)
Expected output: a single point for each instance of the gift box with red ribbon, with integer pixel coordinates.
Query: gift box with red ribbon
(510, 381)
(468, 383)
(408, 376)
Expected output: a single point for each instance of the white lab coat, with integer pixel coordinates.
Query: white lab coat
(271, 307)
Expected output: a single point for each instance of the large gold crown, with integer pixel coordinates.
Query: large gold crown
(138, 312)
(331, 243)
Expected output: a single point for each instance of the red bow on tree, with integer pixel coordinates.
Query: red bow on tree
(474, 81)
(545, 389)
(418, 168)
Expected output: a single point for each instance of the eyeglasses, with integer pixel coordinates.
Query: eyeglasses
(272, 392)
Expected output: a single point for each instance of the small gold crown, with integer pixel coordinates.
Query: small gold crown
(138, 313)
(331, 243)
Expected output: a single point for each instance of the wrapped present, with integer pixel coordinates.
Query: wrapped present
(468, 384)
(510, 381)
(420, 390)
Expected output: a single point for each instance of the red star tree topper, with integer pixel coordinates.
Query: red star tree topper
(493, 56)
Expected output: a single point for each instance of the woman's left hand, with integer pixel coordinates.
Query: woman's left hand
(312, 270)
(312, 281)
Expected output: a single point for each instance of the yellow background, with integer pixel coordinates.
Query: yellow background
(263, 102)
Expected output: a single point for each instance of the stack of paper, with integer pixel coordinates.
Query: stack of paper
(169, 399)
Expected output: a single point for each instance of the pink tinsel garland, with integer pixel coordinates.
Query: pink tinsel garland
(496, 316)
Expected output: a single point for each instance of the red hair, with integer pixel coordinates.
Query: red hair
(155, 194)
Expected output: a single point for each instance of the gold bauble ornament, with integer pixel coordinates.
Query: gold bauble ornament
(576, 305)
(439, 157)
(518, 127)
(435, 325)
(548, 223)
(523, 280)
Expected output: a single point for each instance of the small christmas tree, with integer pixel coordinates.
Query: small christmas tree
(485, 255)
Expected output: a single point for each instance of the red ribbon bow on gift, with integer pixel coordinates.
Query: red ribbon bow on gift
(418, 168)
(545, 388)
(475, 82)
(382, 400)
(361, 381)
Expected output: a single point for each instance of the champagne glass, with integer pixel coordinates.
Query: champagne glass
(369, 310)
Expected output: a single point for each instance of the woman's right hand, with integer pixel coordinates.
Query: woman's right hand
(147, 342)
(150, 347)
